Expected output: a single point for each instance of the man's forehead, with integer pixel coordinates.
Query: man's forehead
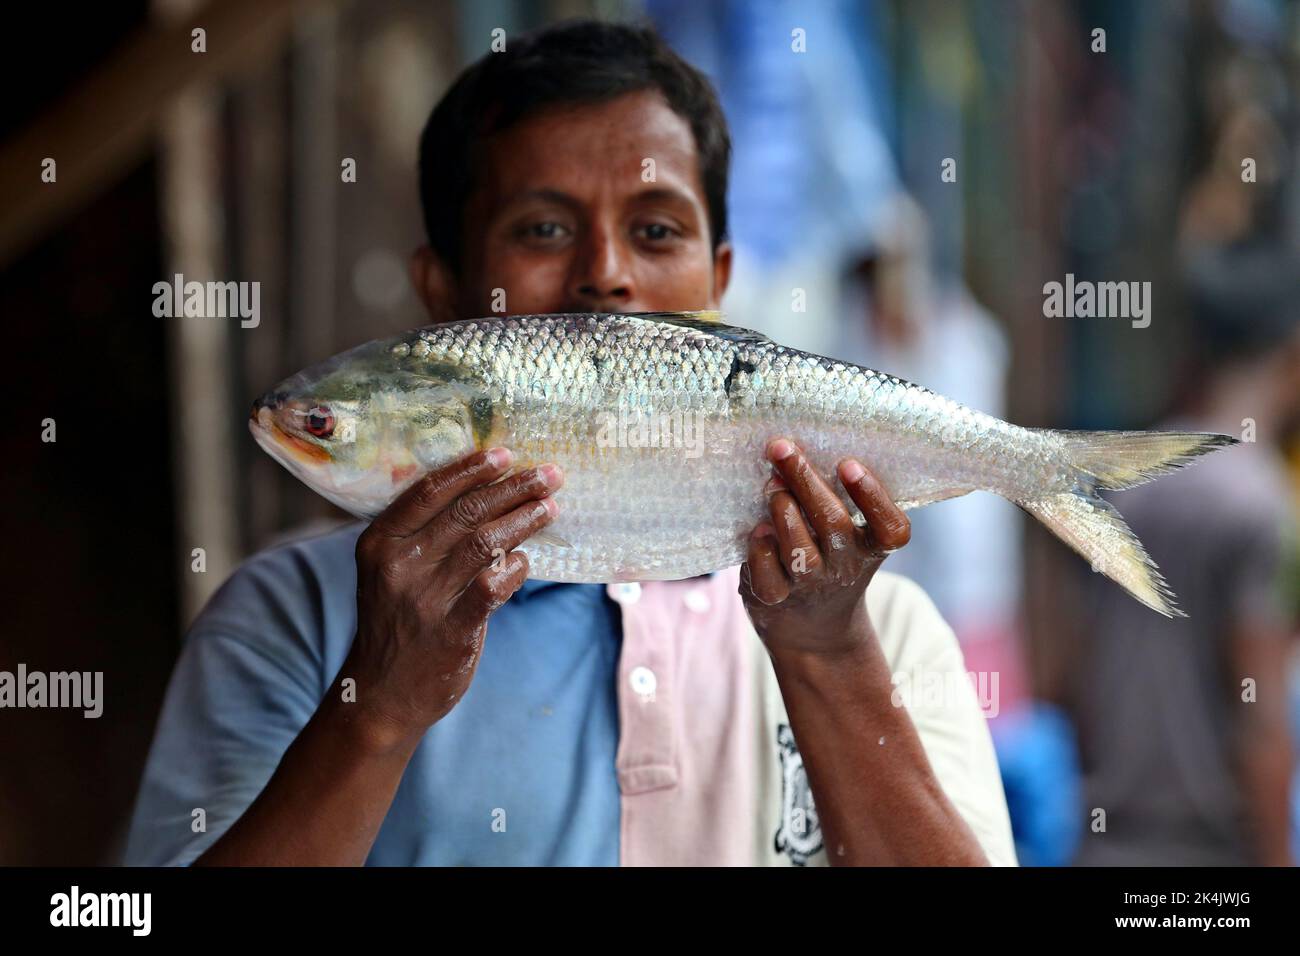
(572, 145)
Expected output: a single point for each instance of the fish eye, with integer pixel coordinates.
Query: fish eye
(320, 422)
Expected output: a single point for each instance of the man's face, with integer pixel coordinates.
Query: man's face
(567, 216)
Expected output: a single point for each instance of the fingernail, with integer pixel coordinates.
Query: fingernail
(852, 471)
(500, 457)
(774, 484)
(780, 450)
(765, 531)
(550, 507)
(551, 475)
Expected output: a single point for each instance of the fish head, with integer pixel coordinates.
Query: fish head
(363, 426)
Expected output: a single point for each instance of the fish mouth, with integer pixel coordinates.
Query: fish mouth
(280, 443)
(306, 463)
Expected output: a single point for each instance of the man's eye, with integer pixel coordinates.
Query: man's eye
(657, 231)
(545, 230)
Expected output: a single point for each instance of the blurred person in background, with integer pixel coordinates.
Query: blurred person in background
(1191, 763)
(1183, 722)
(812, 174)
(904, 317)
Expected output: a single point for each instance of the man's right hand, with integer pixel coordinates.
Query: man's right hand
(431, 569)
(426, 583)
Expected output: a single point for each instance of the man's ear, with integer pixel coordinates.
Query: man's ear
(721, 271)
(434, 284)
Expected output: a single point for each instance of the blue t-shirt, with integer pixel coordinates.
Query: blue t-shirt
(520, 772)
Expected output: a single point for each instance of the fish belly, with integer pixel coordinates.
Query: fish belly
(640, 504)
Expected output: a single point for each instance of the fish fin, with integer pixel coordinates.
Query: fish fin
(711, 316)
(704, 321)
(930, 497)
(1116, 460)
(1093, 528)
(551, 538)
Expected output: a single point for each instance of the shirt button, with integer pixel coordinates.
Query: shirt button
(698, 601)
(643, 681)
(628, 593)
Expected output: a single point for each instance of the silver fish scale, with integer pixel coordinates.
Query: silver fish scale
(569, 388)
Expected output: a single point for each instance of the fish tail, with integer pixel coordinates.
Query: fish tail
(1091, 526)
(1116, 460)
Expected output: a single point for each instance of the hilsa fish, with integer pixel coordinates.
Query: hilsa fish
(660, 422)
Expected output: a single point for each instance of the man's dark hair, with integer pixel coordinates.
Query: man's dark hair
(577, 62)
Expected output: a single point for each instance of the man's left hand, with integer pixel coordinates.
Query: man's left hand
(808, 569)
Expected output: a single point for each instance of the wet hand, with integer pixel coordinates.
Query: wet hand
(806, 575)
(431, 569)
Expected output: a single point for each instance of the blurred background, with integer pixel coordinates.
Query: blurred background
(919, 173)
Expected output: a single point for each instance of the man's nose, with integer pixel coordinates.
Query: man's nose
(602, 271)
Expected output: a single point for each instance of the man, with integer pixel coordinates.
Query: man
(322, 711)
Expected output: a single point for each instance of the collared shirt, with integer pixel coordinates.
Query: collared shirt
(622, 724)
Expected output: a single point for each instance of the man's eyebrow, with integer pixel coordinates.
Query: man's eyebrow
(543, 195)
(561, 198)
(664, 194)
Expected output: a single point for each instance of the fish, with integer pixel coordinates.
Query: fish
(660, 421)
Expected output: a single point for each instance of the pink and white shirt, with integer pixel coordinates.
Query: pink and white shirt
(707, 767)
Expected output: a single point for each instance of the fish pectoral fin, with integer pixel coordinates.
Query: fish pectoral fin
(705, 321)
(551, 538)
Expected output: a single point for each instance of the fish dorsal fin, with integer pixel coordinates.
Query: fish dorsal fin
(704, 321)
